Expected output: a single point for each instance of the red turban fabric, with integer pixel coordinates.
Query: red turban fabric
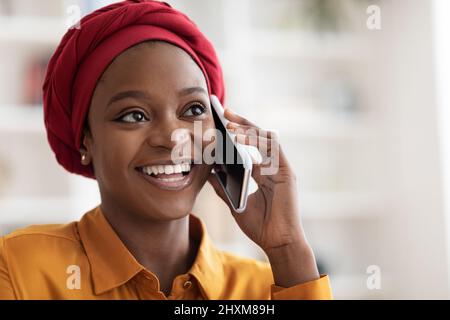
(85, 52)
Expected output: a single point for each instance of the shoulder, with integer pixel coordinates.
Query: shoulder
(247, 276)
(233, 263)
(39, 245)
(42, 233)
(38, 257)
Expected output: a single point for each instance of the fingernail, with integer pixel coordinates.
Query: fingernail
(229, 110)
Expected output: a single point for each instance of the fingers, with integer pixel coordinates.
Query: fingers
(264, 145)
(239, 124)
(251, 130)
(256, 156)
(248, 133)
(267, 143)
(231, 116)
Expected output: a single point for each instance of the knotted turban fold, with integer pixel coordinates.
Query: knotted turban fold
(86, 51)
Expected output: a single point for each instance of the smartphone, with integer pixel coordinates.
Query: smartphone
(233, 164)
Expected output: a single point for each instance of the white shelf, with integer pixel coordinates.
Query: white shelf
(324, 130)
(83, 195)
(354, 287)
(26, 210)
(303, 124)
(31, 30)
(340, 205)
(22, 118)
(298, 44)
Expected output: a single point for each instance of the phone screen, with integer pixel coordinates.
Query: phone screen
(229, 164)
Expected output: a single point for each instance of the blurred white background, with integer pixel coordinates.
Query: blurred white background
(362, 115)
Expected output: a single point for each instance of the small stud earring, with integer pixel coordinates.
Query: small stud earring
(83, 157)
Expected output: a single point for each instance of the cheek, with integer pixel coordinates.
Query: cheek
(207, 141)
(114, 151)
(208, 132)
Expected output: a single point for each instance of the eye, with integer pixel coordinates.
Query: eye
(133, 117)
(195, 110)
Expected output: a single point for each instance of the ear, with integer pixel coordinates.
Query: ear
(86, 146)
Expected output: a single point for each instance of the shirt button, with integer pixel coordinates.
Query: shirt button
(187, 284)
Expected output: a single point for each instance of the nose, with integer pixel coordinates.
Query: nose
(168, 131)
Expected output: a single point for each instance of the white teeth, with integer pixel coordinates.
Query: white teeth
(167, 169)
(177, 168)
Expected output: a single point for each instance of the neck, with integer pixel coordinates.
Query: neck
(162, 247)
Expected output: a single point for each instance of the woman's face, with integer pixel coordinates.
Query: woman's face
(147, 93)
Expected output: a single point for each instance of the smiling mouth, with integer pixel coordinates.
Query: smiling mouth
(169, 177)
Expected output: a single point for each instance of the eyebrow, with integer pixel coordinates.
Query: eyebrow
(142, 95)
(190, 90)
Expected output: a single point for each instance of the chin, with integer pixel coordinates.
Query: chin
(167, 211)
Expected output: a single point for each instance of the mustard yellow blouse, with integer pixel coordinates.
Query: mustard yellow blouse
(87, 260)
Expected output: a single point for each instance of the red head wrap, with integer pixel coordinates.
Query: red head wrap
(85, 52)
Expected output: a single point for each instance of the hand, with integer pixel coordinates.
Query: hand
(271, 218)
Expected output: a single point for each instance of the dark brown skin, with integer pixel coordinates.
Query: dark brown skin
(153, 223)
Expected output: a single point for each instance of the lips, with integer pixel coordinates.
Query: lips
(173, 181)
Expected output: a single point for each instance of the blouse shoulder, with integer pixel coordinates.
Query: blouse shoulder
(233, 261)
(243, 274)
(59, 231)
(37, 254)
(36, 243)
(236, 263)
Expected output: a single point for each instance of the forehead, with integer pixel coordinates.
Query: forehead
(156, 66)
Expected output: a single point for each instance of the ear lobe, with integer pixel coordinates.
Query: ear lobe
(87, 137)
(85, 142)
(86, 147)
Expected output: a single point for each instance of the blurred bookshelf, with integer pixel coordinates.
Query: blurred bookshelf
(45, 30)
(311, 84)
(22, 119)
(33, 188)
(308, 46)
(261, 65)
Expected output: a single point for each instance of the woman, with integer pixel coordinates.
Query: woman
(117, 87)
